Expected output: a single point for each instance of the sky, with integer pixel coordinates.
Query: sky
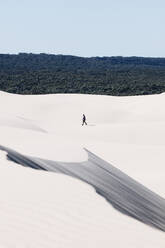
(83, 28)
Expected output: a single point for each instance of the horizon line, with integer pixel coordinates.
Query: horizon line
(97, 56)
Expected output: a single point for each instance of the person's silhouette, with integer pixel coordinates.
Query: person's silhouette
(84, 120)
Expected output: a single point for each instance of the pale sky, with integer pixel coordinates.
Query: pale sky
(83, 28)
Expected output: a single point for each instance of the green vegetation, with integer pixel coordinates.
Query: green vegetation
(44, 74)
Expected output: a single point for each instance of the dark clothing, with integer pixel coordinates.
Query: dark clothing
(84, 120)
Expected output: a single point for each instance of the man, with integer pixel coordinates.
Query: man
(84, 120)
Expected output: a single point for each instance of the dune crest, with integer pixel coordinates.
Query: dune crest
(120, 190)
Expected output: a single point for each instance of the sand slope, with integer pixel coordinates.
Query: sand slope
(122, 192)
(44, 209)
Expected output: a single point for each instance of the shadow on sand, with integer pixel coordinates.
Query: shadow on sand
(121, 191)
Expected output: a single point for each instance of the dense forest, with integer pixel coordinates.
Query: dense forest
(45, 73)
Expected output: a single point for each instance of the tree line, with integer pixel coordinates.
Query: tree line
(46, 73)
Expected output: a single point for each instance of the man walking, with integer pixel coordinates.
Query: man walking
(84, 120)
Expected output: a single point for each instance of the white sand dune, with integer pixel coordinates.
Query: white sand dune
(44, 209)
(121, 191)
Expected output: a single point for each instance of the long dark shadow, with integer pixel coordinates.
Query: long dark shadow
(124, 193)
